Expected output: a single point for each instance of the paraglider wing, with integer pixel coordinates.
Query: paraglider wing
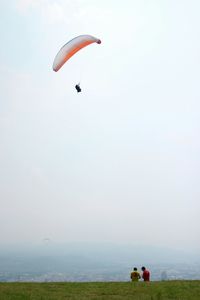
(73, 46)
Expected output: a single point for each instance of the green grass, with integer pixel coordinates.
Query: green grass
(166, 290)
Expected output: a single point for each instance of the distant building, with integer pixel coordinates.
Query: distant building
(164, 276)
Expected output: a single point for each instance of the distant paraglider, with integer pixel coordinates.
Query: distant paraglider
(70, 48)
(46, 241)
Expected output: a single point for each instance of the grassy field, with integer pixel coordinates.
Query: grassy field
(179, 290)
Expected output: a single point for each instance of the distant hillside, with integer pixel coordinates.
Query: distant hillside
(104, 252)
(93, 262)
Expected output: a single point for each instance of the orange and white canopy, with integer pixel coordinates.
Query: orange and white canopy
(73, 46)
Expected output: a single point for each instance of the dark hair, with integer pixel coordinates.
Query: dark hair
(135, 269)
(143, 268)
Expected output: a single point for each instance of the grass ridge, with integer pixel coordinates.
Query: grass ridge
(157, 290)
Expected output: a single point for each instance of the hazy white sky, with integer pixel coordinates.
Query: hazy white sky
(120, 161)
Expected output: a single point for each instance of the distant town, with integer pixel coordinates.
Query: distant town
(158, 272)
(94, 262)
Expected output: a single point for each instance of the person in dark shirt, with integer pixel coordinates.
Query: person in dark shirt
(145, 274)
(77, 87)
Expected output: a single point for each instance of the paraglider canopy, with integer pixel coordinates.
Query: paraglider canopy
(70, 48)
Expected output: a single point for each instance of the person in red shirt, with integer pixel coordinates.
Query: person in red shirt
(145, 274)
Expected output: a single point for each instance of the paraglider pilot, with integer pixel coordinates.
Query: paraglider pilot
(77, 86)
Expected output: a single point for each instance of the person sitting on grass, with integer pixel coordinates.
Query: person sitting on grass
(135, 275)
(145, 274)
